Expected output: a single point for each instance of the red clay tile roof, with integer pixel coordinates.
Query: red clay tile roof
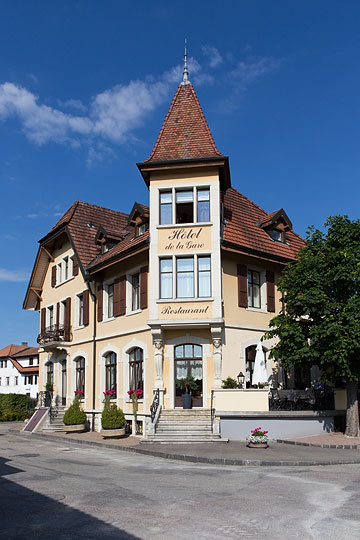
(184, 133)
(10, 350)
(242, 230)
(29, 351)
(22, 369)
(129, 242)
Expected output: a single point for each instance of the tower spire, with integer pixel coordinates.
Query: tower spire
(185, 72)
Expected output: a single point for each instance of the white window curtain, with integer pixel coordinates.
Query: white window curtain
(185, 277)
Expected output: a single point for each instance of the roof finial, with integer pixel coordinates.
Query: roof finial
(185, 72)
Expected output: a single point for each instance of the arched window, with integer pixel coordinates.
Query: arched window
(136, 369)
(110, 372)
(80, 374)
(250, 353)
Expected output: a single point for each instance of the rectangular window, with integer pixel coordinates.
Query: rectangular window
(184, 206)
(110, 300)
(166, 278)
(165, 207)
(135, 292)
(16, 381)
(31, 362)
(62, 312)
(254, 289)
(66, 268)
(203, 205)
(80, 310)
(7, 381)
(185, 277)
(0, 379)
(35, 379)
(204, 277)
(59, 273)
(50, 316)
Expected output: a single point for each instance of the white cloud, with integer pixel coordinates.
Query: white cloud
(213, 55)
(73, 104)
(247, 72)
(13, 275)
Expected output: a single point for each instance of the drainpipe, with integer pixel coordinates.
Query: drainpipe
(94, 298)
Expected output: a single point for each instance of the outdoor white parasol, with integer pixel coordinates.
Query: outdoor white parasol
(259, 374)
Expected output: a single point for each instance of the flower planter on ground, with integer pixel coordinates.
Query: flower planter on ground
(257, 445)
(74, 418)
(113, 433)
(112, 418)
(258, 438)
(76, 428)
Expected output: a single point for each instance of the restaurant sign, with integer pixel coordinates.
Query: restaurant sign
(190, 310)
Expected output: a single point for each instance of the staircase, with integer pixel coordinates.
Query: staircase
(55, 422)
(183, 426)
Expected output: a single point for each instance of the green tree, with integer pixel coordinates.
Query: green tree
(320, 320)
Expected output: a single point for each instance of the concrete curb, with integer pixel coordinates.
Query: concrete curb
(314, 445)
(189, 458)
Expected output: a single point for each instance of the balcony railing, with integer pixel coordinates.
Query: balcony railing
(55, 333)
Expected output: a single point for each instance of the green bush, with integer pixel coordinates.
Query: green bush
(229, 382)
(13, 407)
(112, 418)
(74, 416)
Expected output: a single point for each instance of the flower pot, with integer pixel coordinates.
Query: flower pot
(78, 428)
(257, 444)
(112, 433)
(186, 401)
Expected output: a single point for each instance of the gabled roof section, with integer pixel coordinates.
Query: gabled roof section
(185, 133)
(22, 369)
(138, 211)
(274, 219)
(28, 351)
(243, 233)
(10, 350)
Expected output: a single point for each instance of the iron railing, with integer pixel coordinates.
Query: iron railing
(212, 410)
(155, 404)
(56, 332)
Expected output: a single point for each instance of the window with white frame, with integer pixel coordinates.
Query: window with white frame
(135, 291)
(50, 316)
(80, 317)
(108, 301)
(16, 381)
(7, 381)
(64, 270)
(254, 283)
(110, 372)
(192, 205)
(80, 374)
(185, 277)
(136, 380)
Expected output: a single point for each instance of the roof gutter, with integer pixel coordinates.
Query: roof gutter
(230, 246)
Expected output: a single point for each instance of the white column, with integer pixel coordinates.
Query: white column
(217, 355)
(158, 357)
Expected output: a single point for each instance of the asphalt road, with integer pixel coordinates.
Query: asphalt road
(56, 492)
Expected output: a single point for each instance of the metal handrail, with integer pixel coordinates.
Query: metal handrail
(212, 410)
(155, 404)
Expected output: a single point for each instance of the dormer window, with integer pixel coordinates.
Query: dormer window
(278, 236)
(275, 225)
(141, 229)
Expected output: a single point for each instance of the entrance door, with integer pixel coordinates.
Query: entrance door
(63, 382)
(188, 363)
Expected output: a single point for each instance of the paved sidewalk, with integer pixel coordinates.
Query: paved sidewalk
(325, 440)
(217, 453)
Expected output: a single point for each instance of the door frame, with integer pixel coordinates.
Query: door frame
(188, 360)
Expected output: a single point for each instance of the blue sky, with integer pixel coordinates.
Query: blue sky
(85, 86)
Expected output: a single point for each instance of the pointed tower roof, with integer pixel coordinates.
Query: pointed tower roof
(185, 133)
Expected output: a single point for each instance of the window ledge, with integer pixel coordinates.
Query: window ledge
(65, 281)
(183, 225)
(108, 320)
(133, 312)
(257, 310)
(79, 327)
(182, 300)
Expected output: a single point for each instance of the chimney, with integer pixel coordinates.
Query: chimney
(25, 343)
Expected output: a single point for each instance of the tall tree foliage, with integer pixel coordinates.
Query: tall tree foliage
(320, 320)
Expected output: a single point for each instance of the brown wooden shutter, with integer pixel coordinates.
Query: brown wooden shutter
(100, 297)
(75, 265)
(117, 297)
(270, 288)
(86, 307)
(122, 309)
(43, 320)
(143, 287)
(67, 319)
(242, 285)
(53, 276)
(58, 313)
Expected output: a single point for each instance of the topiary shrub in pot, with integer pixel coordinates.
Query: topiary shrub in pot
(112, 422)
(74, 418)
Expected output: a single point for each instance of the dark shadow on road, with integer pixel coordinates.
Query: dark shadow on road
(24, 513)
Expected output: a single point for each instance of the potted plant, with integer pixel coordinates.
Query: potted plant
(187, 385)
(74, 417)
(135, 395)
(229, 383)
(112, 418)
(258, 438)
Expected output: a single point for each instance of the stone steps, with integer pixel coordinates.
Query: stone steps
(55, 424)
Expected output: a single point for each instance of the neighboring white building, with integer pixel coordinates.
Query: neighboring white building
(19, 370)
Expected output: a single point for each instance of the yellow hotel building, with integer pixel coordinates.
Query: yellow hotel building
(185, 286)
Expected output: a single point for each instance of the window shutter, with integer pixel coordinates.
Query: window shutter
(86, 307)
(43, 320)
(100, 298)
(58, 313)
(67, 319)
(75, 265)
(117, 297)
(53, 276)
(270, 288)
(242, 285)
(143, 287)
(122, 284)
